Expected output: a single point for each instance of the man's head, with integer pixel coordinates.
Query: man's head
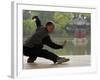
(50, 26)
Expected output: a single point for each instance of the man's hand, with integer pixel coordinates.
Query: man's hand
(64, 43)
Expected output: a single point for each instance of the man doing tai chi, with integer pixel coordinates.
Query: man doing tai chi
(33, 47)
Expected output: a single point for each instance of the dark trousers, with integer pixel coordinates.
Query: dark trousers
(38, 52)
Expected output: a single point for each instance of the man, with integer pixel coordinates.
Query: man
(33, 47)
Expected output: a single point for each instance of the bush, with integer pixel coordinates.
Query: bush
(28, 27)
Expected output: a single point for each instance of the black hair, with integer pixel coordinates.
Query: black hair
(50, 23)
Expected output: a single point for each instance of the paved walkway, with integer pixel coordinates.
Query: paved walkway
(75, 61)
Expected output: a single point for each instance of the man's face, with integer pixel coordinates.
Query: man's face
(50, 28)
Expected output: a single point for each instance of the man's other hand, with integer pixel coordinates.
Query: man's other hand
(64, 43)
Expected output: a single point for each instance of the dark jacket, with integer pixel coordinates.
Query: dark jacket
(40, 38)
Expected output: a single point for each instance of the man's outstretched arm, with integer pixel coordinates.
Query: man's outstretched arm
(47, 41)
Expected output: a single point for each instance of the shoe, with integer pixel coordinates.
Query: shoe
(30, 60)
(61, 60)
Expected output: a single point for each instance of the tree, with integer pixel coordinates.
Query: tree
(62, 18)
(26, 14)
(28, 26)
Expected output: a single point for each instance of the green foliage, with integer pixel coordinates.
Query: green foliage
(28, 26)
(45, 16)
(86, 14)
(26, 14)
(61, 19)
